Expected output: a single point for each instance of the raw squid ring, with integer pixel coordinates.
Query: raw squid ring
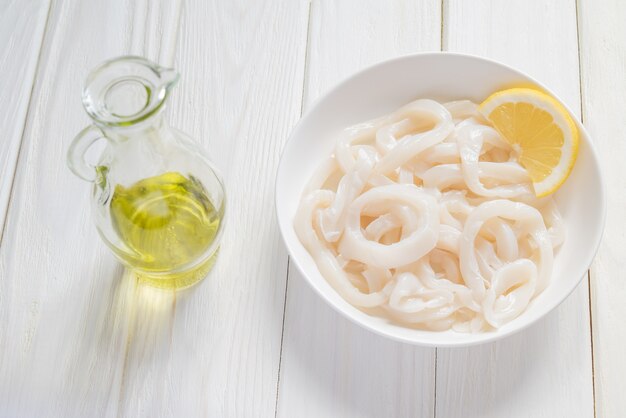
(326, 261)
(499, 307)
(411, 145)
(509, 210)
(354, 245)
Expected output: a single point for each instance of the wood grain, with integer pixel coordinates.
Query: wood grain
(66, 310)
(78, 335)
(544, 371)
(331, 367)
(80, 338)
(154, 29)
(217, 352)
(22, 27)
(603, 58)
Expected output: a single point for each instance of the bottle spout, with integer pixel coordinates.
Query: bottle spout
(126, 90)
(168, 77)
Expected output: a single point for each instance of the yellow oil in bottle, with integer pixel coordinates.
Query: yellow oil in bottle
(166, 222)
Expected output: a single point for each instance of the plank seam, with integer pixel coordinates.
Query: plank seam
(593, 367)
(282, 338)
(303, 96)
(169, 55)
(26, 117)
(580, 76)
(582, 119)
(305, 91)
(442, 47)
(435, 384)
(129, 339)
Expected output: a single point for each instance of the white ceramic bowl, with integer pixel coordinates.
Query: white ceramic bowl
(382, 88)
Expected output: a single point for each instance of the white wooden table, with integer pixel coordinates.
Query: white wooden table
(78, 338)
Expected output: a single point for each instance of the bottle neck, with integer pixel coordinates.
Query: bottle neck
(146, 128)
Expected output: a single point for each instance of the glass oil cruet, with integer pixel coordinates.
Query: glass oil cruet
(157, 201)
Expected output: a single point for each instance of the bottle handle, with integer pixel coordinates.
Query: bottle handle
(76, 152)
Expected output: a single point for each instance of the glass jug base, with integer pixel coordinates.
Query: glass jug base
(178, 280)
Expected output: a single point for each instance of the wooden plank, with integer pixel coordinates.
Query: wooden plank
(603, 46)
(331, 367)
(77, 335)
(154, 29)
(544, 371)
(66, 309)
(242, 68)
(22, 26)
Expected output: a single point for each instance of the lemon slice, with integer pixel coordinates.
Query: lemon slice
(541, 132)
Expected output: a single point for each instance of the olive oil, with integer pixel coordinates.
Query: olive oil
(166, 223)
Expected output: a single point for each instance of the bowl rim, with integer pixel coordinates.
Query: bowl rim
(434, 343)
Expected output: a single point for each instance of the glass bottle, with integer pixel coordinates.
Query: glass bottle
(157, 201)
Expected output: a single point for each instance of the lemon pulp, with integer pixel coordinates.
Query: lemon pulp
(541, 132)
(165, 223)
